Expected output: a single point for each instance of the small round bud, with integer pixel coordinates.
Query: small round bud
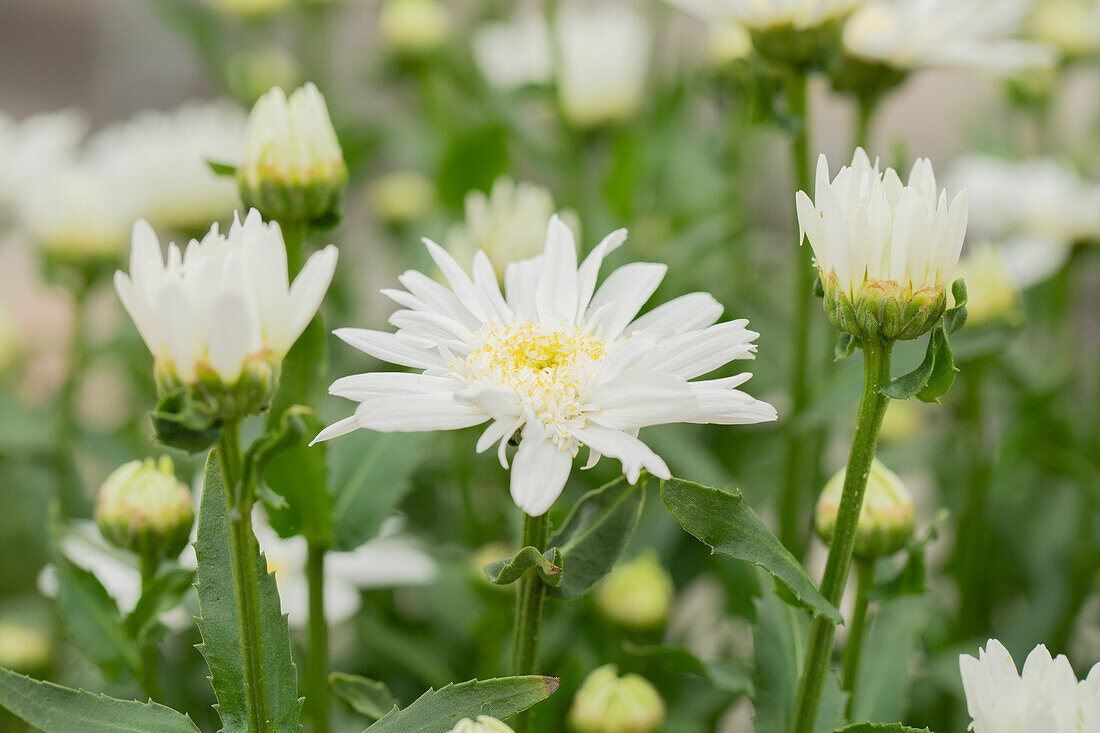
(401, 196)
(607, 703)
(886, 520)
(144, 508)
(483, 724)
(1073, 26)
(637, 594)
(415, 26)
(728, 42)
(883, 309)
(293, 168)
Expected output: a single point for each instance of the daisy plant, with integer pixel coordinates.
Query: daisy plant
(885, 252)
(553, 363)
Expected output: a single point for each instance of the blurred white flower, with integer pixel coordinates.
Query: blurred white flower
(251, 73)
(389, 561)
(728, 41)
(514, 53)
(1045, 696)
(603, 61)
(415, 26)
(223, 303)
(1073, 26)
(865, 226)
(555, 361)
(913, 34)
(1036, 210)
(158, 162)
(508, 224)
(991, 292)
(768, 14)
(36, 148)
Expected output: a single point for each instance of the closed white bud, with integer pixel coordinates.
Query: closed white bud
(608, 703)
(637, 594)
(886, 520)
(293, 168)
(142, 507)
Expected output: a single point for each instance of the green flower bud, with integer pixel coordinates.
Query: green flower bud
(883, 309)
(483, 724)
(886, 520)
(293, 168)
(637, 594)
(607, 703)
(144, 508)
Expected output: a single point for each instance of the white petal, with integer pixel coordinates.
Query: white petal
(631, 452)
(590, 269)
(539, 472)
(387, 347)
(416, 413)
(686, 313)
(556, 292)
(622, 295)
(308, 291)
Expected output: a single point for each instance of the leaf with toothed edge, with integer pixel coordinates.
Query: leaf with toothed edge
(881, 728)
(219, 618)
(439, 710)
(52, 708)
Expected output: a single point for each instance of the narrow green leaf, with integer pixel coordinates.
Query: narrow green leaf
(943, 370)
(725, 522)
(887, 670)
(222, 169)
(55, 709)
(300, 477)
(439, 710)
(367, 697)
(908, 385)
(303, 377)
(91, 616)
(779, 645)
(548, 565)
(164, 594)
(954, 317)
(220, 619)
(372, 473)
(595, 533)
(845, 345)
(881, 728)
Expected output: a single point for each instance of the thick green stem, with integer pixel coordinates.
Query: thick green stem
(853, 651)
(247, 574)
(872, 407)
(798, 466)
(150, 674)
(317, 684)
(529, 600)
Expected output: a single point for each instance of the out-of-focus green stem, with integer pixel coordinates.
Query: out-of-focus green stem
(974, 603)
(865, 115)
(529, 601)
(69, 490)
(853, 651)
(799, 463)
(872, 407)
(317, 685)
(150, 674)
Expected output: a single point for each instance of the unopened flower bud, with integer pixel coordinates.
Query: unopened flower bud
(607, 703)
(637, 594)
(415, 26)
(293, 168)
(886, 520)
(144, 508)
(483, 724)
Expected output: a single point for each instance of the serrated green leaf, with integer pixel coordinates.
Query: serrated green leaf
(595, 533)
(162, 595)
(220, 618)
(724, 522)
(881, 728)
(90, 615)
(222, 169)
(779, 646)
(55, 709)
(371, 473)
(439, 710)
(548, 565)
(366, 697)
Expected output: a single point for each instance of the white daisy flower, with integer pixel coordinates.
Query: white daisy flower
(911, 34)
(222, 304)
(514, 53)
(35, 148)
(554, 361)
(769, 14)
(1045, 696)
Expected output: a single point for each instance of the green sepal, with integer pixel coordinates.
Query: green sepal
(222, 169)
(548, 565)
(179, 422)
(723, 521)
(440, 710)
(954, 317)
(594, 535)
(52, 708)
(370, 698)
(845, 344)
(819, 288)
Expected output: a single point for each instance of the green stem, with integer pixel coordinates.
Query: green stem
(293, 233)
(70, 491)
(853, 650)
(529, 601)
(865, 115)
(247, 574)
(150, 675)
(317, 684)
(800, 448)
(872, 407)
(973, 534)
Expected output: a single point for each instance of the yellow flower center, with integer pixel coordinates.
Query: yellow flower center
(546, 365)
